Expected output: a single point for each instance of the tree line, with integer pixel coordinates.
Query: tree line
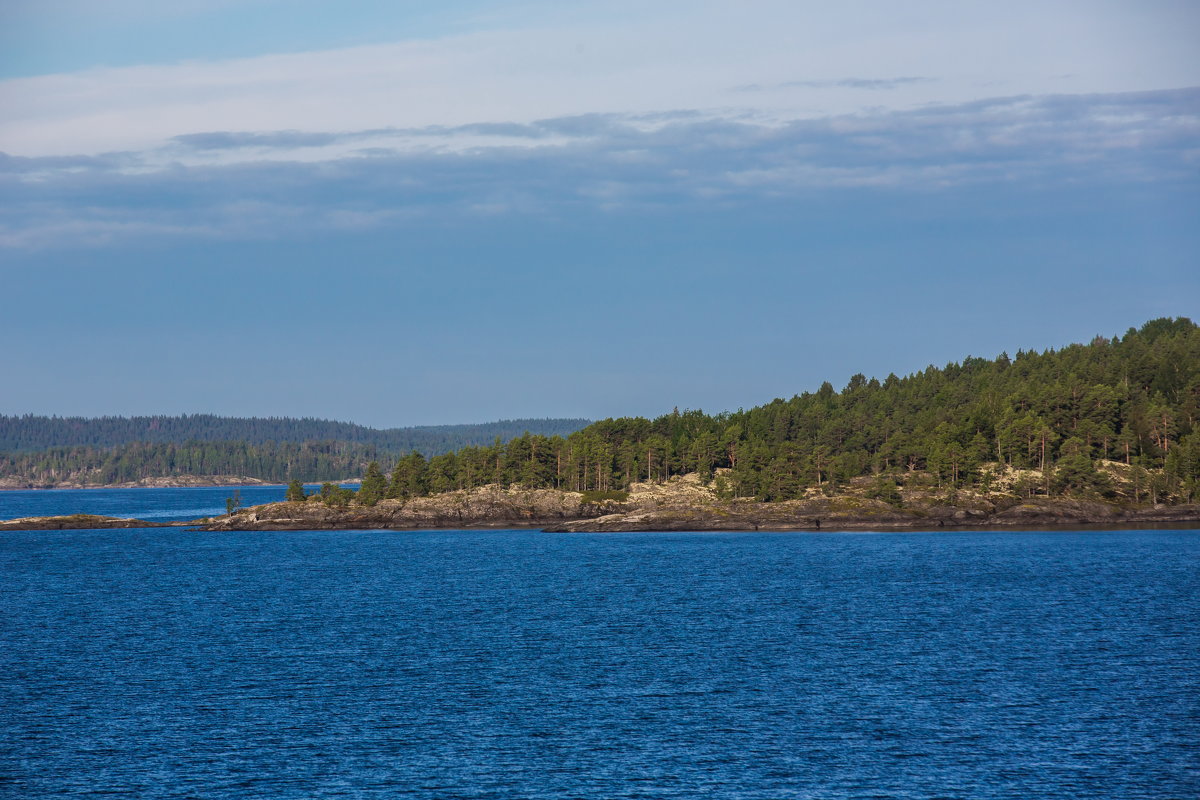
(275, 462)
(32, 433)
(1133, 399)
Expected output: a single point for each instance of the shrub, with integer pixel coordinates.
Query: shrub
(596, 497)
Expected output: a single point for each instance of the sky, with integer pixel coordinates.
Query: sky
(440, 212)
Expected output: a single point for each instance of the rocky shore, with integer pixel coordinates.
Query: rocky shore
(486, 507)
(168, 482)
(873, 515)
(681, 504)
(81, 522)
(685, 504)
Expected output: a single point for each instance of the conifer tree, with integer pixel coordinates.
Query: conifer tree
(374, 485)
(408, 477)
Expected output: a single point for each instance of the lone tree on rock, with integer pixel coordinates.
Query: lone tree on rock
(295, 492)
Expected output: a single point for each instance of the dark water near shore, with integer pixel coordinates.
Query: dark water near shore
(166, 663)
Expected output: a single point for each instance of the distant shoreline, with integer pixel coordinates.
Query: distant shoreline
(138, 485)
(165, 483)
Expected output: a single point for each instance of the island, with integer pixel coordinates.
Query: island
(69, 522)
(685, 503)
(682, 503)
(1105, 433)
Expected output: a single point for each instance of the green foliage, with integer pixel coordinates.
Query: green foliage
(1183, 468)
(335, 496)
(1134, 398)
(1077, 475)
(410, 477)
(108, 450)
(594, 497)
(885, 489)
(295, 492)
(373, 487)
(233, 503)
(31, 433)
(277, 463)
(1140, 479)
(1026, 486)
(723, 488)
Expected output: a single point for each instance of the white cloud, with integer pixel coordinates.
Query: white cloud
(807, 60)
(253, 185)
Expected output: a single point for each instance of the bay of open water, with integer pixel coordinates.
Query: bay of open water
(156, 505)
(516, 664)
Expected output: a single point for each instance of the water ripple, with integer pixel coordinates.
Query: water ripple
(169, 664)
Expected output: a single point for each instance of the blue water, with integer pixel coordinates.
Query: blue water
(174, 664)
(157, 505)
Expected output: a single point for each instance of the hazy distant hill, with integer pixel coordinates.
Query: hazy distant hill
(32, 433)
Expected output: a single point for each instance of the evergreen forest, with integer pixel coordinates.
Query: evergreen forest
(108, 450)
(32, 433)
(1053, 419)
(1115, 418)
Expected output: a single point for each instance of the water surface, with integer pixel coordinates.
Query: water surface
(172, 664)
(157, 505)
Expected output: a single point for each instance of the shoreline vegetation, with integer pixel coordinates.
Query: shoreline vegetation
(682, 503)
(1106, 429)
(1107, 432)
(690, 503)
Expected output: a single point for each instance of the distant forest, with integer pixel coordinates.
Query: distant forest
(45, 450)
(25, 433)
(1132, 399)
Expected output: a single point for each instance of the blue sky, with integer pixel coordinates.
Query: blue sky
(428, 213)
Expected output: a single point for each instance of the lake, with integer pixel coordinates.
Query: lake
(166, 663)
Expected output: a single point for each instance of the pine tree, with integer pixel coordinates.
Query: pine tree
(295, 492)
(409, 477)
(374, 485)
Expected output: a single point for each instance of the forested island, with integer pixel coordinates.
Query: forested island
(1113, 418)
(1097, 433)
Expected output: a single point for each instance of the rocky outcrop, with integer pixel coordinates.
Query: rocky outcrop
(685, 504)
(486, 507)
(680, 504)
(166, 482)
(691, 511)
(871, 515)
(79, 522)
